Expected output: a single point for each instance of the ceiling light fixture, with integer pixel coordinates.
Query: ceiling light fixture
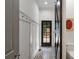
(46, 3)
(58, 3)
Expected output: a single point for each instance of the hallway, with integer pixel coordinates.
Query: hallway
(42, 26)
(34, 29)
(26, 31)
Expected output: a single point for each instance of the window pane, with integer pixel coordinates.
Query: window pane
(44, 30)
(48, 34)
(48, 40)
(48, 29)
(44, 40)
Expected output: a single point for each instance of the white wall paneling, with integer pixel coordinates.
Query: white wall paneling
(29, 9)
(30, 33)
(34, 37)
(24, 38)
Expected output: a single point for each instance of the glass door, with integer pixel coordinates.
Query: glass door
(46, 33)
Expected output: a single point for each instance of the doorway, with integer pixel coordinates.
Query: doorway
(46, 31)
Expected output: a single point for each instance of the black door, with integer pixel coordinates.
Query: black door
(46, 33)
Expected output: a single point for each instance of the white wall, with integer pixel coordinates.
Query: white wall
(67, 36)
(30, 8)
(48, 15)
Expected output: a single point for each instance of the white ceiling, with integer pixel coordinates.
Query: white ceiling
(41, 4)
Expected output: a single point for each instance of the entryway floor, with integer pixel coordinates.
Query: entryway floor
(48, 52)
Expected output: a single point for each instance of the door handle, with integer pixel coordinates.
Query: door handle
(17, 56)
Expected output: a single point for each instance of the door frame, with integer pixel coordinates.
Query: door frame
(46, 44)
(60, 29)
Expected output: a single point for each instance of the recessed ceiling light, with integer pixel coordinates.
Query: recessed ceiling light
(58, 3)
(46, 3)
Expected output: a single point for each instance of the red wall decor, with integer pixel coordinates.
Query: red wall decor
(69, 24)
